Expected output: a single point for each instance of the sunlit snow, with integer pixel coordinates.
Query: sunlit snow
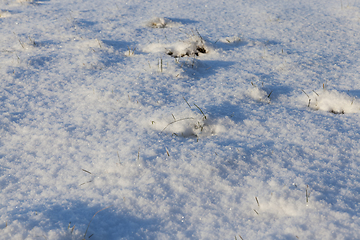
(179, 119)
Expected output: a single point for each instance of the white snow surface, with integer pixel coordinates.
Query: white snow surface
(334, 102)
(103, 135)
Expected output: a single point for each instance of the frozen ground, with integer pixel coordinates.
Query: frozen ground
(179, 119)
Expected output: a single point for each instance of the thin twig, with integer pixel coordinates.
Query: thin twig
(200, 111)
(21, 44)
(352, 101)
(86, 171)
(118, 157)
(98, 42)
(187, 102)
(316, 93)
(202, 40)
(305, 93)
(189, 118)
(85, 183)
(257, 201)
(93, 218)
(307, 193)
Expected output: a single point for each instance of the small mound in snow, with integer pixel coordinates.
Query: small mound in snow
(333, 101)
(230, 40)
(4, 14)
(159, 22)
(188, 124)
(88, 44)
(258, 94)
(286, 202)
(194, 46)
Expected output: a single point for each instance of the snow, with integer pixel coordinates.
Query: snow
(334, 102)
(159, 22)
(249, 128)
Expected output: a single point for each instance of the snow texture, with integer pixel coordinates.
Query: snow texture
(179, 119)
(334, 102)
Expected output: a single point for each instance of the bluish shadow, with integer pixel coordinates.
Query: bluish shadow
(197, 68)
(183, 20)
(85, 23)
(230, 45)
(106, 224)
(354, 93)
(117, 45)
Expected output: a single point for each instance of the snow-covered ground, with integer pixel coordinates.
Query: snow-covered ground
(179, 119)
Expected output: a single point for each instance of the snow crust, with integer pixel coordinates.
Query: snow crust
(179, 120)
